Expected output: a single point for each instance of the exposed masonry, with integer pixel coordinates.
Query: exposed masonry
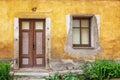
(95, 33)
(65, 64)
(16, 42)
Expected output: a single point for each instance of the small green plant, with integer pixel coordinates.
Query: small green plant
(81, 77)
(4, 70)
(101, 69)
(55, 77)
(68, 76)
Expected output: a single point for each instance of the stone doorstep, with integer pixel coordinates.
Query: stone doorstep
(27, 78)
(31, 74)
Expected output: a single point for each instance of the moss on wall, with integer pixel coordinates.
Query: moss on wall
(109, 11)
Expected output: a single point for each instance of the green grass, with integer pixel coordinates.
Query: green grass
(101, 69)
(4, 70)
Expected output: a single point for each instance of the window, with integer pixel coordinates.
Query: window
(82, 34)
(81, 29)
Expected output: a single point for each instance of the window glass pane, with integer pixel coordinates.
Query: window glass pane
(85, 36)
(25, 25)
(76, 36)
(84, 23)
(25, 61)
(76, 23)
(25, 43)
(39, 61)
(38, 25)
(39, 43)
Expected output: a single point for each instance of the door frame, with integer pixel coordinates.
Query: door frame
(47, 42)
(32, 40)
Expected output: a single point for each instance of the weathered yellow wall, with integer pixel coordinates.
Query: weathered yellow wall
(109, 11)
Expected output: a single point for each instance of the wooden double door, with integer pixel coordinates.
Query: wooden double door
(32, 43)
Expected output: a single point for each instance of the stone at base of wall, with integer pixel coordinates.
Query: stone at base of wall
(65, 64)
(58, 64)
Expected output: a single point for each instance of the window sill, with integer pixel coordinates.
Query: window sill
(83, 47)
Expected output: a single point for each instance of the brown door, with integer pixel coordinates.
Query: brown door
(32, 43)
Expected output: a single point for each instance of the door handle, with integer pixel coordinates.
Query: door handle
(33, 45)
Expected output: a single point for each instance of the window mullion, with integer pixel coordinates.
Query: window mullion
(89, 33)
(80, 32)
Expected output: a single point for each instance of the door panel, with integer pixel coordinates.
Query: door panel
(25, 43)
(25, 53)
(32, 43)
(39, 43)
(25, 25)
(39, 38)
(39, 25)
